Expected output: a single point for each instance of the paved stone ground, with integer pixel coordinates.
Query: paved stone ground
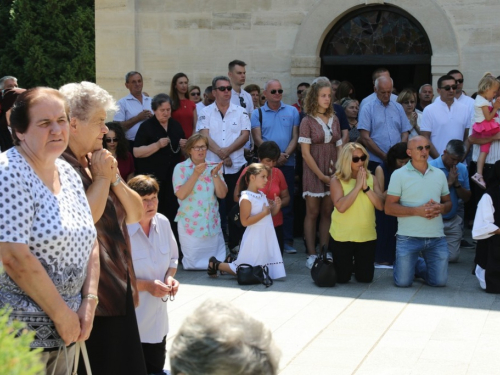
(363, 328)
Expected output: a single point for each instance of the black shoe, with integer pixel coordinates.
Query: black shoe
(466, 245)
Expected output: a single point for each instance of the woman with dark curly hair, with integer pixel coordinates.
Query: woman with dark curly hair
(116, 143)
(183, 109)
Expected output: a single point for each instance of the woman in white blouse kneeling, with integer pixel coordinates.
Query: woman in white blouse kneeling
(155, 255)
(486, 230)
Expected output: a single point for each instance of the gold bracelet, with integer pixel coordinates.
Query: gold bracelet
(92, 296)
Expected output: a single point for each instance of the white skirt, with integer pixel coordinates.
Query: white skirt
(198, 250)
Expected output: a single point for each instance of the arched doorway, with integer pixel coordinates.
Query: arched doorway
(374, 36)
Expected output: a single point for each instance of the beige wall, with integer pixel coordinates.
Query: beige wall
(276, 38)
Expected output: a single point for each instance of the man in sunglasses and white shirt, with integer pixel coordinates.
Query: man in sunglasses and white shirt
(418, 196)
(445, 119)
(459, 93)
(227, 127)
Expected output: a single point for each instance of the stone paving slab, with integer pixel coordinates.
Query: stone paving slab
(359, 328)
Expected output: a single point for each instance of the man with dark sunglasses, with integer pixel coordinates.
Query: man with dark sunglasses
(445, 119)
(279, 122)
(227, 127)
(418, 196)
(301, 91)
(460, 94)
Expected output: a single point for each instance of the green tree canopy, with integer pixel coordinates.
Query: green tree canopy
(47, 42)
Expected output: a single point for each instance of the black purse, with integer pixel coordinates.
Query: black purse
(323, 271)
(249, 275)
(234, 215)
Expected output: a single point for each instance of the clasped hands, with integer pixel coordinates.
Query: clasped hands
(103, 165)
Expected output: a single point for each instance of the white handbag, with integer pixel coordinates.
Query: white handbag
(80, 345)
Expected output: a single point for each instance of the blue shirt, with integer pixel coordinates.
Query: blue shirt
(385, 124)
(277, 126)
(463, 179)
(372, 97)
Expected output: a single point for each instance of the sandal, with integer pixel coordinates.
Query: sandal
(479, 180)
(213, 267)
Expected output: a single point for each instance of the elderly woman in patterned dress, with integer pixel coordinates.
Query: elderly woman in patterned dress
(197, 185)
(320, 139)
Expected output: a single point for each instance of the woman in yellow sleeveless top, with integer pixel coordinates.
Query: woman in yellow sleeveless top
(355, 193)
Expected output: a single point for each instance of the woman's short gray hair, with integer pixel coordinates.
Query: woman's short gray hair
(219, 338)
(85, 98)
(159, 99)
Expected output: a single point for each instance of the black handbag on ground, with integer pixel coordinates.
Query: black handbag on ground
(249, 275)
(323, 271)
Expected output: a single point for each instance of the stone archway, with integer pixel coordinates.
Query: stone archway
(306, 62)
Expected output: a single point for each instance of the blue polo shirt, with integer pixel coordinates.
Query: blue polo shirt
(385, 124)
(415, 189)
(463, 179)
(277, 126)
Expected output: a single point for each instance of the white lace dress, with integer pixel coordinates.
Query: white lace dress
(259, 245)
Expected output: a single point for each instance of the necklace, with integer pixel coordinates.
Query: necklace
(321, 113)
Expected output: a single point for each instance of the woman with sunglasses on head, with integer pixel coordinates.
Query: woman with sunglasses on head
(183, 109)
(197, 185)
(320, 140)
(116, 143)
(355, 194)
(195, 93)
(408, 99)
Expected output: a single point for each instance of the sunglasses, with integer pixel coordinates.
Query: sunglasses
(409, 102)
(356, 159)
(460, 80)
(300, 91)
(195, 94)
(224, 88)
(280, 91)
(242, 102)
(110, 140)
(420, 148)
(448, 88)
(200, 148)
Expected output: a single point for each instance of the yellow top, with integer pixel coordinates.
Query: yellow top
(357, 223)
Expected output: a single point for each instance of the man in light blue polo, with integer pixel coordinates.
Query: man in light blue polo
(279, 122)
(458, 184)
(418, 196)
(382, 123)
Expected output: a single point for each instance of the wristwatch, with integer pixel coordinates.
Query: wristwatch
(287, 156)
(118, 179)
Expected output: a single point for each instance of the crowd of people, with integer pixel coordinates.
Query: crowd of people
(95, 216)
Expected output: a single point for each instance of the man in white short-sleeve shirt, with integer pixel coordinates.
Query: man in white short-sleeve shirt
(445, 119)
(134, 108)
(227, 127)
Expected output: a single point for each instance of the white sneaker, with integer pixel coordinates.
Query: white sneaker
(310, 261)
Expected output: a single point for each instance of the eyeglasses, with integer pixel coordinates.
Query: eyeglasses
(460, 80)
(448, 88)
(280, 91)
(195, 94)
(409, 102)
(200, 148)
(111, 140)
(242, 102)
(224, 88)
(300, 92)
(356, 159)
(420, 148)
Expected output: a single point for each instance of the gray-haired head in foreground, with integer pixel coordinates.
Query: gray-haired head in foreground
(85, 98)
(3, 79)
(219, 78)
(159, 99)
(456, 147)
(220, 339)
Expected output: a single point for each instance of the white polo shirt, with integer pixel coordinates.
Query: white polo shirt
(224, 131)
(152, 257)
(129, 107)
(445, 123)
(468, 102)
(200, 106)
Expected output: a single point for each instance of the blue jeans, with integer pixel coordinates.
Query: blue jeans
(433, 268)
(289, 173)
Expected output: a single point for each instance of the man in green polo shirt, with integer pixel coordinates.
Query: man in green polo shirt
(418, 196)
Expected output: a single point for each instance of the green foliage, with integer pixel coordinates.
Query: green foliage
(47, 42)
(16, 358)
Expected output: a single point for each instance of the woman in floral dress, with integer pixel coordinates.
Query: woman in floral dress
(197, 185)
(320, 139)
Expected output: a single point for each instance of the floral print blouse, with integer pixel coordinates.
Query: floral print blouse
(199, 212)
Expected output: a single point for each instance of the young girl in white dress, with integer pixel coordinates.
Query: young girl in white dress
(259, 246)
(485, 124)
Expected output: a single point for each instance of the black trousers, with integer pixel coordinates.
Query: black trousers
(226, 204)
(155, 355)
(363, 255)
